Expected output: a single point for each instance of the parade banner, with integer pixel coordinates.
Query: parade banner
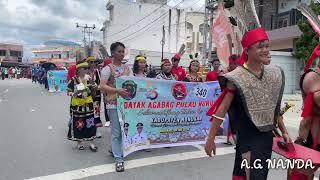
(221, 28)
(161, 113)
(57, 81)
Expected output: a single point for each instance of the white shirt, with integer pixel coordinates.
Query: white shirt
(140, 138)
(127, 141)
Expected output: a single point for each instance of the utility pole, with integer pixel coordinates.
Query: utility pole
(211, 6)
(162, 41)
(86, 30)
(205, 31)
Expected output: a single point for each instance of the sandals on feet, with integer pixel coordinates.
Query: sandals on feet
(81, 147)
(93, 148)
(119, 166)
(228, 143)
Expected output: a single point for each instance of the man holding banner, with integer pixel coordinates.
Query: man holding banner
(108, 86)
(252, 93)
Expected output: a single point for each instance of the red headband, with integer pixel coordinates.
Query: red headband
(315, 53)
(249, 39)
(165, 61)
(177, 56)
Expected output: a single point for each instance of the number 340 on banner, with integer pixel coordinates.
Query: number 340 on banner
(201, 91)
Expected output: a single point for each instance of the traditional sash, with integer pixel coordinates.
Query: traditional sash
(261, 98)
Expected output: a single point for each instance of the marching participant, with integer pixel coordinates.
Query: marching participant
(82, 126)
(194, 68)
(140, 66)
(108, 86)
(95, 77)
(252, 94)
(309, 130)
(176, 69)
(166, 71)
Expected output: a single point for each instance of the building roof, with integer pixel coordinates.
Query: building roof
(288, 32)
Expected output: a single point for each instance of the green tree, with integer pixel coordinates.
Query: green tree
(309, 39)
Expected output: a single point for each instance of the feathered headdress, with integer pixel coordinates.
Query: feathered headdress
(194, 59)
(315, 24)
(180, 52)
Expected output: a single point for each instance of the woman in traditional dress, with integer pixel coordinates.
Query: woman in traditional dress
(96, 94)
(82, 126)
(194, 68)
(140, 66)
(166, 71)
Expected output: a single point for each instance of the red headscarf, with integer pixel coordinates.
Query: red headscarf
(177, 56)
(165, 61)
(249, 39)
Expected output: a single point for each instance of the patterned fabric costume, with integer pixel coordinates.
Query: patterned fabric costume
(82, 126)
(255, 106)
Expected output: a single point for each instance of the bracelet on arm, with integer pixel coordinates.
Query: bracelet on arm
(217, 117)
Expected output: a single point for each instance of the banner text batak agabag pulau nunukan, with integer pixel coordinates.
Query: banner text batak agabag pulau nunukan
(161, 113)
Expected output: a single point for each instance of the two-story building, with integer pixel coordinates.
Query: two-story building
(10, 54)
(57, 51)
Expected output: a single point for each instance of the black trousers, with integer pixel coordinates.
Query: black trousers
(260, 149)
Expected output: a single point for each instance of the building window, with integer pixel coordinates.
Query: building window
(189, 28)
(2, 52)
(59, 56)
(15, 53)
(283, 22)
(201, 29)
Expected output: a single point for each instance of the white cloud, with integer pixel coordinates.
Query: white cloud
(32, 22)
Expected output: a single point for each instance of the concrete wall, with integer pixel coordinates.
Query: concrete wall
(281, 44)
(291, 70)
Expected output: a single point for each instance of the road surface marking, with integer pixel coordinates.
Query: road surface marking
(108, 168)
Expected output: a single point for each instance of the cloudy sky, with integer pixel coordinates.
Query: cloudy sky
(32, 22)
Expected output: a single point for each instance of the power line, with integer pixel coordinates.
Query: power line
(143, 27)
(147, 30)
(152, 29)
(148, 15)
(149, 23)
(186, 19)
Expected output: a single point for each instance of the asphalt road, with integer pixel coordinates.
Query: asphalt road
(34, 146)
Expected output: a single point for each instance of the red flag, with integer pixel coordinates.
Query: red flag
(220, 29)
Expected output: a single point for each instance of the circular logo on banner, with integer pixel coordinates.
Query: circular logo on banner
(131, 88)
(179, 91)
